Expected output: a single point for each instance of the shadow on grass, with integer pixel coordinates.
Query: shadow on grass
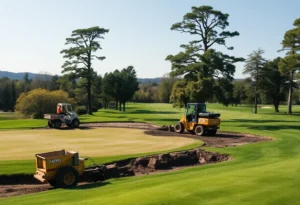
(270, 127)
(258, 121)
(151, 112)
(174, 120)
(91, 186)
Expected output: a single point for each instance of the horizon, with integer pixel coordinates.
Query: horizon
(139, 32)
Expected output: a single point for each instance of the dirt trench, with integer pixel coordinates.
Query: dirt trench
(20, 184)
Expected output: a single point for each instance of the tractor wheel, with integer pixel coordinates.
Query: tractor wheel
(52, 182)
(199, 130)
(212, 132)
(57, 124)
(67, 177)
(179, 127)
(75, 123)
(50, 123)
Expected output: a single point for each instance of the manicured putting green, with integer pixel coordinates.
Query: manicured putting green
(24, 144)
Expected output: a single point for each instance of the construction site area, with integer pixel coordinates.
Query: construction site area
(96, 175)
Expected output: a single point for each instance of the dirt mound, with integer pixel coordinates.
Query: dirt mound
(12, 185)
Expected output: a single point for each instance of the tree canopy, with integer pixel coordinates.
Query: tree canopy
(291, 63)
(84, 43)
(201, 66)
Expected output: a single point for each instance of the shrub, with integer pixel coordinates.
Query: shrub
(81, 110)
(37, 102)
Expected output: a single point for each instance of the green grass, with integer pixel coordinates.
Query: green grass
(261, 173)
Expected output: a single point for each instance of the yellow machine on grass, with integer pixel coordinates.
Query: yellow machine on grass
(197, 120)
(60, 169)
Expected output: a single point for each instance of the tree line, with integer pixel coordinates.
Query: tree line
(199, 73)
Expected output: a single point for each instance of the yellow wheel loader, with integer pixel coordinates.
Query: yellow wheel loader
(197, 120)
(60, 169)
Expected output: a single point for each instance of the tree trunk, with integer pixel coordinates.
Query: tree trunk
(89, 107)
(255, 102)
(276, 104)
(124, 106)
(116, 104)
(290, 98)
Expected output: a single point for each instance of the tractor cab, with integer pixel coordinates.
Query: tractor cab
(193, 110)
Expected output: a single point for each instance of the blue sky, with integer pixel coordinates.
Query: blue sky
(33, 32)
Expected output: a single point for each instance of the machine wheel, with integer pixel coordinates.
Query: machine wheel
(57, 124)
(75, 123)
(179, 127)
(211, 132)
(52, 182)
(199, 130)
(67, 177)
(50, 123)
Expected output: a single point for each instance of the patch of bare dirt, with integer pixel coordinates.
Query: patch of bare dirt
(222, 139)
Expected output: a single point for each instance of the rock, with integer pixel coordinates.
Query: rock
(144, 161)
(183, 159)
(123, 163)
(152, 163)
(111, 171)
(202, 160)
(126, 171)
(164, 156)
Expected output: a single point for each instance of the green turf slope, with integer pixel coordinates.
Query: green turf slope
(261, 173)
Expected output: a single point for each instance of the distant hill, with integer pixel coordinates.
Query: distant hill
(149, 80)
(18, 76)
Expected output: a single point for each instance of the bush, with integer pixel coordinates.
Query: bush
(37, 102)
(35, 116)
(81, 110)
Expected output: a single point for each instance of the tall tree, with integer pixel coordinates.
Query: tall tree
(67, 83)
(239, 92)
(165, 88)
(199, 62)
(254, 67)
(110, 86)
(27, 82)
(84, 43)
(290, 64)
(129, 85)
(13, 96)
(274, 83)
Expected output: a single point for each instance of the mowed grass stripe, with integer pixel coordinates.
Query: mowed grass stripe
(102, 144)
(261, 173)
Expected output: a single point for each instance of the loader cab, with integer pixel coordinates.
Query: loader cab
(193, 110)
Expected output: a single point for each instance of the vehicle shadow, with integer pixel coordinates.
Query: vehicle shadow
(91, 185)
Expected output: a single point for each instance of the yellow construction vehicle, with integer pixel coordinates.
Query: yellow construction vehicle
(197, 120)
(60, 169)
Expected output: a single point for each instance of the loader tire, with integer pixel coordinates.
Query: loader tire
(50, 123)
(75, 123)
(52, 183)
(57, 124)
(67, 177)
(199, 130)
(179, 127)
